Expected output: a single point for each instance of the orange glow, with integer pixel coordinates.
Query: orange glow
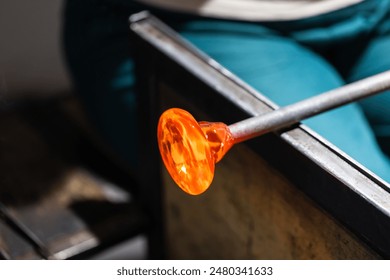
(219, 137)
(190, 150)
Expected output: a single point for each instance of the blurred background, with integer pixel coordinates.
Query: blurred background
(60, 197)
(30, 51)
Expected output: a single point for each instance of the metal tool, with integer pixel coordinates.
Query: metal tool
(190, 149)
(24, 232)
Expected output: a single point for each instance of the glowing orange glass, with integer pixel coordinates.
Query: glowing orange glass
(190, 149)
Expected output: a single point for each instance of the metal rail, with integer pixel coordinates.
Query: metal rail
(288, 115)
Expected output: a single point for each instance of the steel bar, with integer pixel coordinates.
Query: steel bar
(24, 231)
(291, 114)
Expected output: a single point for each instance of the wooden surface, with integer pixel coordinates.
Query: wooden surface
(252, 212)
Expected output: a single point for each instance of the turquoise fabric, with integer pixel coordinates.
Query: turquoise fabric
(286, 61)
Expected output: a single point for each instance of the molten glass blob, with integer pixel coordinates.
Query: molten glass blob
(190, 149)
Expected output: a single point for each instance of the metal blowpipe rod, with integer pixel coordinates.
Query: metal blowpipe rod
(291, 114)
(190, 149)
